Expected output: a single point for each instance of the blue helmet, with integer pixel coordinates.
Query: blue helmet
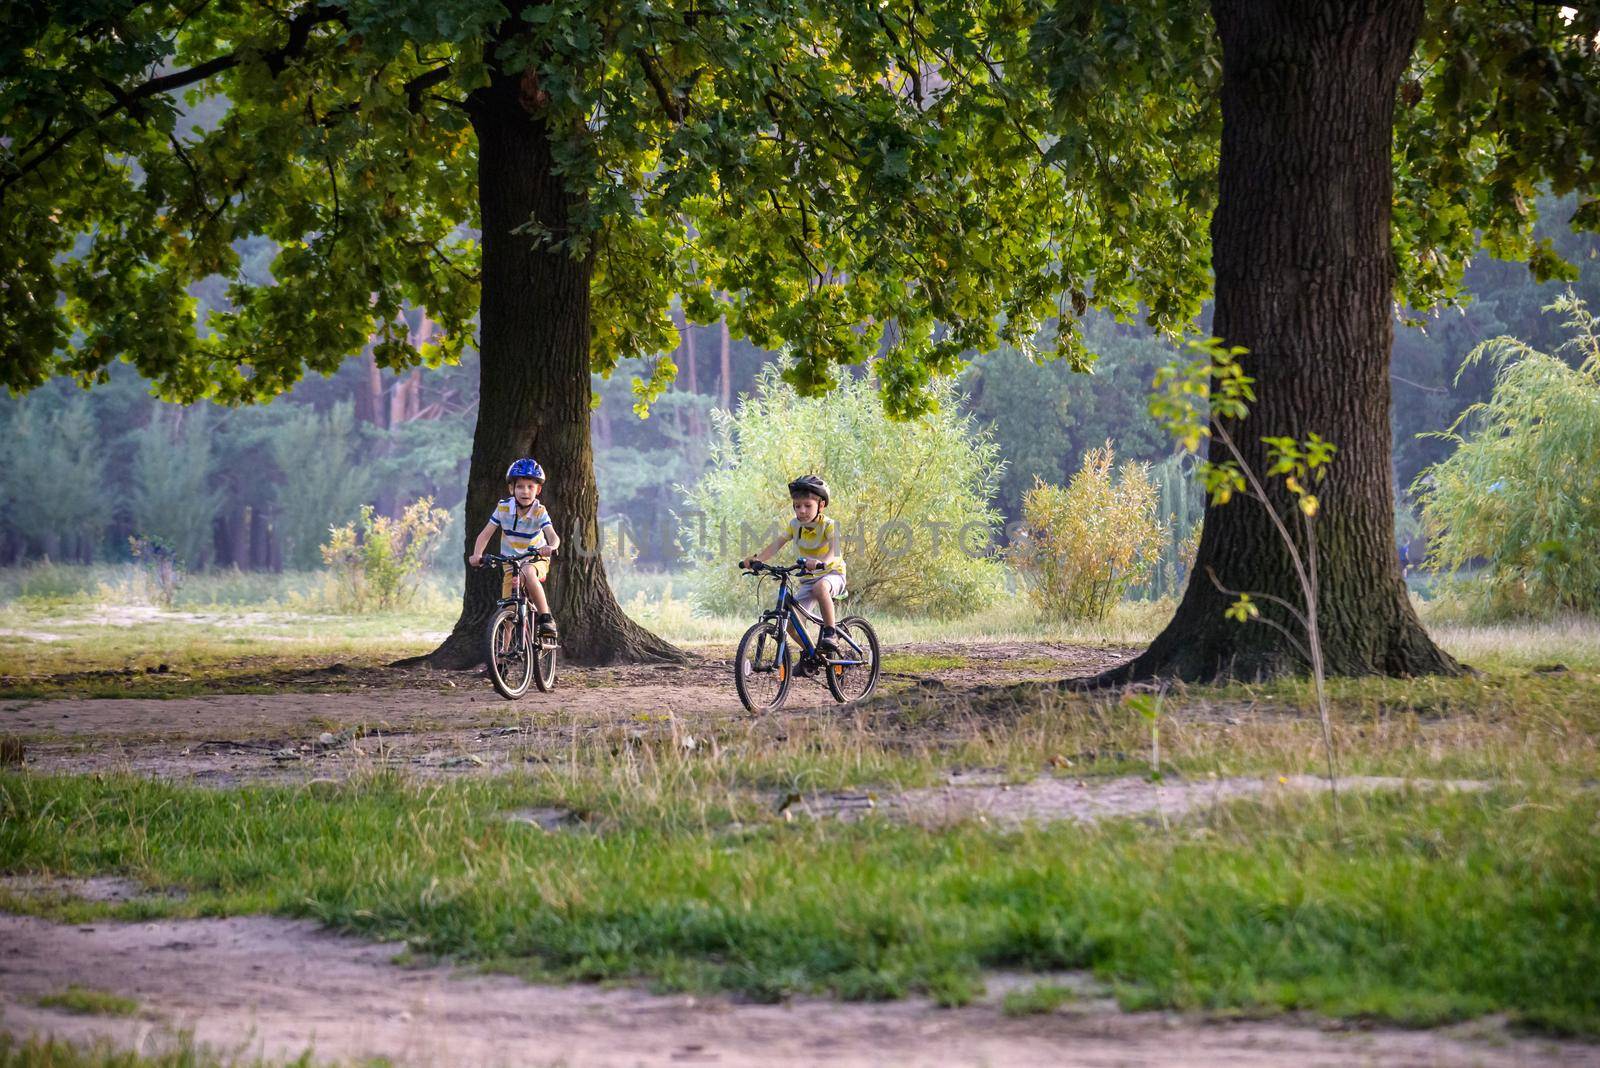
(527, 467)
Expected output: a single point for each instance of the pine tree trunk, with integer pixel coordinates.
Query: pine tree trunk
(534, 391)
(1305, 282)
(691, 363)
(239, 542)
(725, 379)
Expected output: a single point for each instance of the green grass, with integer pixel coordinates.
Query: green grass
(1038, 1000)
(53, 1053)
(911, 663)
(1422, 908)
(88, 1002)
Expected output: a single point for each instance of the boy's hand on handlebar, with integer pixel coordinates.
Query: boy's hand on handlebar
(475, 560)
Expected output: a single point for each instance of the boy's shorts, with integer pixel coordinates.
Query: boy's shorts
(806, 595)
(541, 568)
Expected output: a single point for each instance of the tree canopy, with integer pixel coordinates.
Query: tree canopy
(955, 175)
(849, 179)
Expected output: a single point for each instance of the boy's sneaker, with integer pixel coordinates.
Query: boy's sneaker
(826, 644)
(547, 625)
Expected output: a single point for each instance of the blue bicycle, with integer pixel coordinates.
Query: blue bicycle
(765, 664)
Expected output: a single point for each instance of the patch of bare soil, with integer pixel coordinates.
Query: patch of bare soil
(449, 722)
(992, 799)
(259, 986)
(1047, 799)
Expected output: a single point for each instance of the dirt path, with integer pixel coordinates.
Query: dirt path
(435, 722)
(275, 988)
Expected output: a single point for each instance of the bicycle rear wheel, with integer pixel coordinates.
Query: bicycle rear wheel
(762, 669)
(855, 682)
(506, 651)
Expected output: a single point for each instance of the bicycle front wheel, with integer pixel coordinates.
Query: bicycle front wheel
(857, 676)
(762, 669)
(544, 665)
(506, 651)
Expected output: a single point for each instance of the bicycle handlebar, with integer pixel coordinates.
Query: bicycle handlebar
(757, 567)
(493, 559)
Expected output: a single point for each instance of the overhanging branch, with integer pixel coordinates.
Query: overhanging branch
(300, 27)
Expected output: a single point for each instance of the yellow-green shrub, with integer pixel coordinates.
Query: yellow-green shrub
(379, 567)
(1085, 544)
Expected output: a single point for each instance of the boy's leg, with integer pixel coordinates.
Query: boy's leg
(822, 596)
(824, 592)
(541, 604)
(535, 591)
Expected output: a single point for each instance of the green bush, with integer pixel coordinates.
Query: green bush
(1085, 545)
(912, 499)
(1522, 489)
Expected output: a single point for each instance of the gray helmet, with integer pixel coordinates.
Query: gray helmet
(810, 484)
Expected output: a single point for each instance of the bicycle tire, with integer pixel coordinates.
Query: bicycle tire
(502, 671)
(544, 669)
(746, 664)
(839, 675)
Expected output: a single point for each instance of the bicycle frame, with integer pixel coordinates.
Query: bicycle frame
(519, 595)
(783, 613)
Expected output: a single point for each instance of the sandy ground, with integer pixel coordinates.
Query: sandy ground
(276, 988)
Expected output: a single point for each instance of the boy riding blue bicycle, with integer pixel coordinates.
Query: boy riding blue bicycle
(524, 524)
(846, 655)
(816, 537)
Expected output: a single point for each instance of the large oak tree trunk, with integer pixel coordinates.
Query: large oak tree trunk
(534, 389)
(1305, 282)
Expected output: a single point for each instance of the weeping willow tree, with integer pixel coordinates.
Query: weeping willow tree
(1522, 489)
(1181, 504)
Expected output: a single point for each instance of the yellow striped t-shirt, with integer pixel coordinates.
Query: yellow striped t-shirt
(815, 540)
(519, 533)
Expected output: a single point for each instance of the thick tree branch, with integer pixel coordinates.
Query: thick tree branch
(300, 28)
(669, 103)
(416, 87)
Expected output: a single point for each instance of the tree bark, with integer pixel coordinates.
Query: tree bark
(533, 350)
(1305, 282)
